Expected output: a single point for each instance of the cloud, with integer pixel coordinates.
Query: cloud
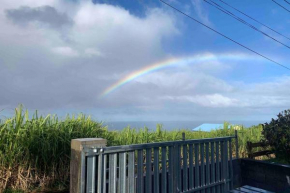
(44, 15)
(90, 52)
(214, 100)
(44, 71)
(131, 40)
(200, 11)
(65, 51)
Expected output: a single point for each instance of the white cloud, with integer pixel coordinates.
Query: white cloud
(112, 30)
(214, 100)
(66, 51)
(90, 52)
(200, 11)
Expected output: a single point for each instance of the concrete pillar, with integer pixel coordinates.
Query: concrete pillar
(77, 163)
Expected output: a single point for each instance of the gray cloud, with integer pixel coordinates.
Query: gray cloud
(46, 15)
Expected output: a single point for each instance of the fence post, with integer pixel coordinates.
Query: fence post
(237, 144)
(249, 148)
(77, 163)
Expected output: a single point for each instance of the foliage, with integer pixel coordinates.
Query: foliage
(277, 134)
(35, 151)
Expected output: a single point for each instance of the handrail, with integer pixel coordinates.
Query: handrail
(123, 148)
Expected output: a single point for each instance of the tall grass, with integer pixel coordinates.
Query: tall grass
(136, 136)
(35, 152)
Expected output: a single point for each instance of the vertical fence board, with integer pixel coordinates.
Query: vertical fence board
(91, 173)
(202, 174)
(222, 166)
(104, 174)
(140, 182)
(131, 172)
(100, 177)
(177, 169)
(170, 169)
(226, 165)
(207, 171)
(122, 173)
(113, 173)
(185, 172)
(217, 166)
(231, 165)
(83, 172)
(212, 150)
(164, 170)
(156, 170)
(190, 154)
(148, 171)
(196, 155)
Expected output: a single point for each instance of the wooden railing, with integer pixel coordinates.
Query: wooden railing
(252, 154)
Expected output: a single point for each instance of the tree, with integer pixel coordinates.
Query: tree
(277, 134)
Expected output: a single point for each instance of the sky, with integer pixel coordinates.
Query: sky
(143, 61)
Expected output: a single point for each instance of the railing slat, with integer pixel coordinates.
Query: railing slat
(156, 170)
(164, 171)
(148, 171)
(100, 177)
(131, 172)
(196, 155)
(177, 169)
(202, 176)
(122, 172)
(207, 171)
(217, 166)
(105, 174)
(185, 172)
(231, 165)
(226, 165)
(190, 152)
(113, 173)
(212, 151)
(222, 166)
(91, 173)
(140, 179)
(170, 169)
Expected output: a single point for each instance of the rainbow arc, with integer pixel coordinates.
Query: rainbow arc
(175, 62)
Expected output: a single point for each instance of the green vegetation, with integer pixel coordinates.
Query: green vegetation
(35, 152)
(277, 134)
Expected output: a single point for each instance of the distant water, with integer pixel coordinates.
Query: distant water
(170, 125)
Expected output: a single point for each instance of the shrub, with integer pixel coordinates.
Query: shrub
(277, 134)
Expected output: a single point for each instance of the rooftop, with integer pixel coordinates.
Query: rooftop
(208, 127)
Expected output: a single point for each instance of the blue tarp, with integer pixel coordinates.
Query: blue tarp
(208, 127)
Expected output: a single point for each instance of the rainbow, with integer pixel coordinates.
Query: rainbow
(173, 62)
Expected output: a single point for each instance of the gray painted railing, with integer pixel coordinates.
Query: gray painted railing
(202, 165)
